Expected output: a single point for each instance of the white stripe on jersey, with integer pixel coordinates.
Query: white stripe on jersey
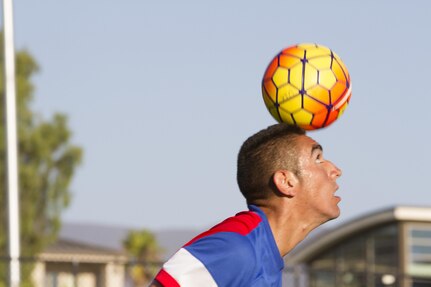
(188, 271)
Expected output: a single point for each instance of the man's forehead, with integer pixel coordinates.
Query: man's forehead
(308, 143)
(304, 139)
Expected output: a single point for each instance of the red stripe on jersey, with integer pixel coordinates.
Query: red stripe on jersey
(242, 223)
(166, 280)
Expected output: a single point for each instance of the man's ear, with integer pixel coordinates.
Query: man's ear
(286, 182)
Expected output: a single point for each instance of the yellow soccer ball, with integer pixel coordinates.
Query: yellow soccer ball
(306, 85)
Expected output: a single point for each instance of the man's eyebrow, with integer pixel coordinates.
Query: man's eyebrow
(316, 147)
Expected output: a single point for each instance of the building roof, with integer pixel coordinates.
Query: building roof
(323, 240)
(65, 250)
(112, 237)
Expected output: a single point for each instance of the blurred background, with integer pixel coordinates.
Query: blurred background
(140, 107)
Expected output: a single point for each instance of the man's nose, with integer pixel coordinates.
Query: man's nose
(335, 171)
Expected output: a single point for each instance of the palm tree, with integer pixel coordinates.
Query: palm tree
(143, 247)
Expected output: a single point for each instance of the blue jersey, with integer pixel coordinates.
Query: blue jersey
(238, 252)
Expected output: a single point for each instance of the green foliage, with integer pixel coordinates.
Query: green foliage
(47, 163)
(143, 246)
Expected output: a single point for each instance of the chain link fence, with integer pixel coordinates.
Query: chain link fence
(138, 274)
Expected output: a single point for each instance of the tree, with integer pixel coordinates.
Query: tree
(47, 162)
(143, 246)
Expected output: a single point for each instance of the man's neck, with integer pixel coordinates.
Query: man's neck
(288, 228)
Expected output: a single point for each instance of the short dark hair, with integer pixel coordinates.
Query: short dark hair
(261, 155)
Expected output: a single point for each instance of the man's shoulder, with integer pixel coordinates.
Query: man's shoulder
(226, 252)
(228, 256)
(242, 224)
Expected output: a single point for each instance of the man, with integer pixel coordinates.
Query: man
(290, 190)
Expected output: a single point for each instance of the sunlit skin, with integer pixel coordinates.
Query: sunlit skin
(318, 182)
(307, 198)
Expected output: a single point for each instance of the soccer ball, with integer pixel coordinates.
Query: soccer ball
(306, 85)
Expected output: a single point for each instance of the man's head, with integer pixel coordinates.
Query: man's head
(261, 155)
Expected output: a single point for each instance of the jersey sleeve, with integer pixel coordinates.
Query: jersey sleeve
(222, 259)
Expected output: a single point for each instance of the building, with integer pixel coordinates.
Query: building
(92, 255)
(390, 247)
(69, 264)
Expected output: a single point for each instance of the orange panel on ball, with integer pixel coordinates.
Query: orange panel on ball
(271, 89)
(339, 72)
(320, 93)
(333, 115)
(342, 66)
(269, 101)
(271, 69)
(294, 51)
(287, 61)
(337, 91)
(313, 106)
(319, 118)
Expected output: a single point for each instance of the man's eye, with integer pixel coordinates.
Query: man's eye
(319, 158)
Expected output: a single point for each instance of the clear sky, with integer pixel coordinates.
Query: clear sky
(161, 94)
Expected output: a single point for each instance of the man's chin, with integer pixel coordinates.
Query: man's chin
(335, 214)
